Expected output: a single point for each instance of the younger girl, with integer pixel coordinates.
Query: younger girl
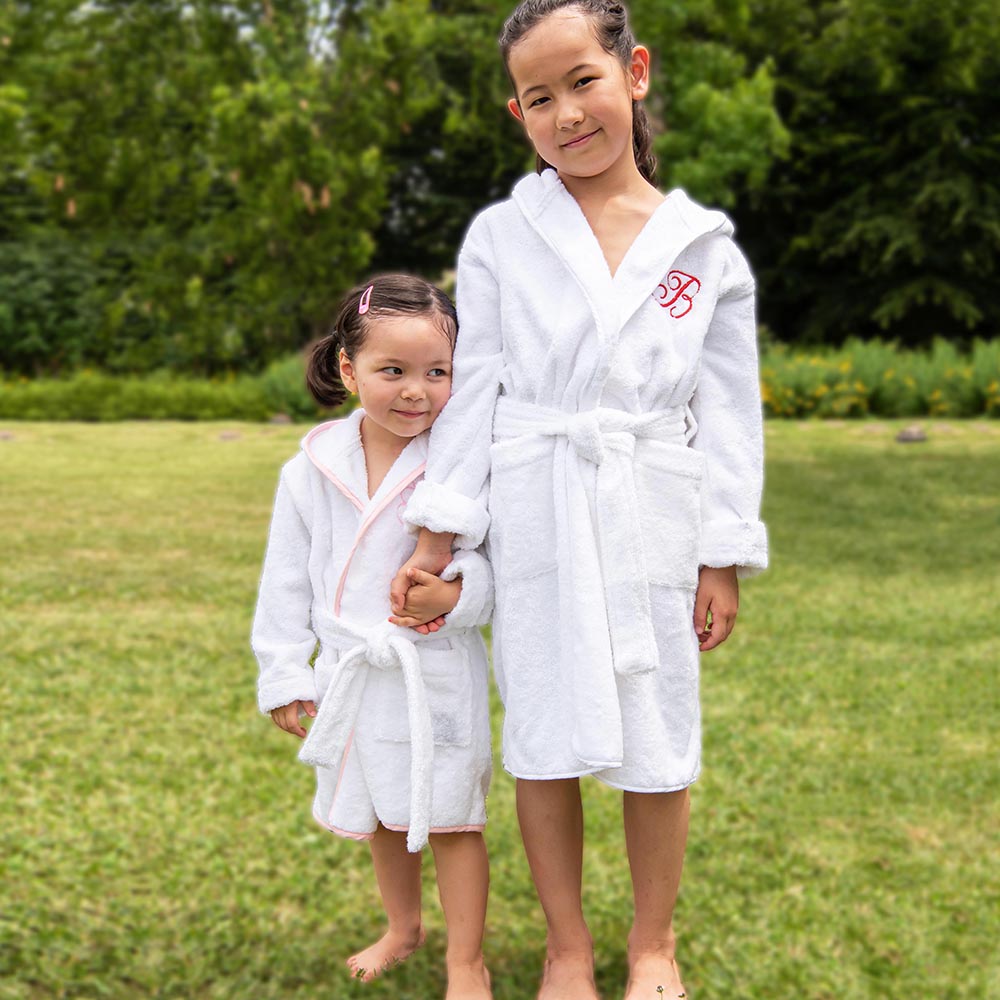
(401, 736)
(606, 385)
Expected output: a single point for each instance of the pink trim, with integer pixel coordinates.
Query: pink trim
(340, 774)
(366, 524)
(322, 468)
(343, 833)
(477, 828)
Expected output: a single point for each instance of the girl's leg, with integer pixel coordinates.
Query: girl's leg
(398, 875)
(656, 826)
(551, 818)
(463, 877)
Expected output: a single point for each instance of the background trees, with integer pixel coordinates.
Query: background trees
(191, 184)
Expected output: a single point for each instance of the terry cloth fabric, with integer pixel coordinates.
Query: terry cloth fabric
(402, 733)
(545, 325)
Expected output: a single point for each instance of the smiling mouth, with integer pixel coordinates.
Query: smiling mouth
(579, 140)
(411, 414)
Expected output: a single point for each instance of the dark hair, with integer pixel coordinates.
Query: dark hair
(610, 21)
(391, 295)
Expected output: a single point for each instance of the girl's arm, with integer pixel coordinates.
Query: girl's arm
(727, 409)
(449, 505)
(282, 638)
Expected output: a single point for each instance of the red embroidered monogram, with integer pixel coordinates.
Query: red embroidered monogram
(677, 293)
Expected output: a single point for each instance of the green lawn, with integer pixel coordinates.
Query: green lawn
(155, 837)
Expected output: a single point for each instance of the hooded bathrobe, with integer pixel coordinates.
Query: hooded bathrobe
(402, 733)
(617, 420)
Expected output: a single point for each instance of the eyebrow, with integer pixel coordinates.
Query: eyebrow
(574, 70)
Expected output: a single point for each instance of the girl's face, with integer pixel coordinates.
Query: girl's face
(573, 97)
(402, 374)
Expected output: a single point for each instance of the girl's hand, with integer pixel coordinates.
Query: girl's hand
(287, 717)
(432, 554)
(428, 600)
(719, 595)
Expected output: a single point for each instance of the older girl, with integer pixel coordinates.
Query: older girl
(606, 386)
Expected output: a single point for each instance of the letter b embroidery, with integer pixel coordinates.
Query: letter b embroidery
(677, 293)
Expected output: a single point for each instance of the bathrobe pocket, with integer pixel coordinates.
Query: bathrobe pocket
(447, 679)
(522, 526)
(668, 489)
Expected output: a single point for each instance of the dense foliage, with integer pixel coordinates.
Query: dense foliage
(859, 379)
(191, 184)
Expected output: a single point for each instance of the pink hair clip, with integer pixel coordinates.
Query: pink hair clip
(365, 304)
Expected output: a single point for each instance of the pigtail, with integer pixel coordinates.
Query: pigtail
(323, 372)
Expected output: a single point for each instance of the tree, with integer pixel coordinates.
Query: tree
(885, 217)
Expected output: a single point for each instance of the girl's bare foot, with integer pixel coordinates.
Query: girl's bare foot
(390, 949)
(569, 977)
(654, 977)
(468, 981)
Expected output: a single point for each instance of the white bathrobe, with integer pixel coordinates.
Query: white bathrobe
(402, 731)
(618, 421)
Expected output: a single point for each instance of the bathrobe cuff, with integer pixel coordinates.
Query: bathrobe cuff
(475, 605)
(440, 509)
(742, 544)
(284, 686)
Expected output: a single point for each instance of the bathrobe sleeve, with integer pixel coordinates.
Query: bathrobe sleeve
(727, 409)
(475, 605)
(282, 638)
(452, 495)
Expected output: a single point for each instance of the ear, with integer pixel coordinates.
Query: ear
(515, 109)
(639, 73)
(347, 374)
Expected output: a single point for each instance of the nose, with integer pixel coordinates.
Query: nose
(413, 389)
(568, 114)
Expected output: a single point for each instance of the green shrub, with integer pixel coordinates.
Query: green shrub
(862, 378)
(93, 396)
(877, 378)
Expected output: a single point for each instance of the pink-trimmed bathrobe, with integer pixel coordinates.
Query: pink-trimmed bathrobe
(402, 731)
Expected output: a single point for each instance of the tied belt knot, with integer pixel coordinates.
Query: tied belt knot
(595, 433)
(608, 630)
(383, 647)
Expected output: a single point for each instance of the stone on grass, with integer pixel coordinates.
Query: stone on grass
(911, 434)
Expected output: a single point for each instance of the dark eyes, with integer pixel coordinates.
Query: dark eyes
(582, 82)
(434, 372)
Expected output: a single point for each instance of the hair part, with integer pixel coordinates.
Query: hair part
(393, 294)
(611, 28)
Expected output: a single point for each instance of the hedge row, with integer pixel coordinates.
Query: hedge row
(860, 379)
(875, 378)
(94, 396)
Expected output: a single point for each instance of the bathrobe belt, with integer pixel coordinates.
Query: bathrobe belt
(383, 647)
(605, 616)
